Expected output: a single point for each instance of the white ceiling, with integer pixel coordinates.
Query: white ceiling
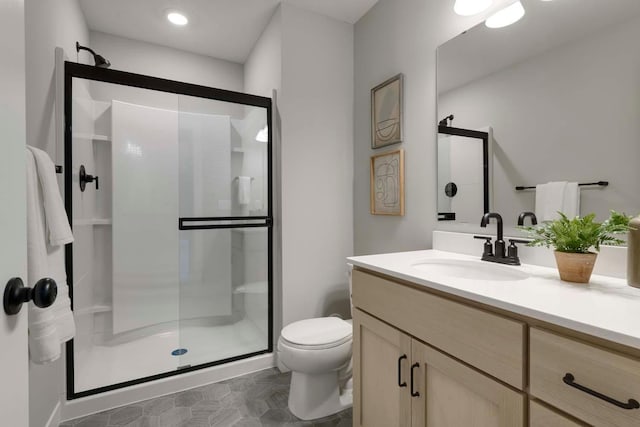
(226, 29)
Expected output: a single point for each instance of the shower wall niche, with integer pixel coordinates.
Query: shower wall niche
(171, 264)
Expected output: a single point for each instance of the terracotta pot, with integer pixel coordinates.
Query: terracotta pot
(575, 268)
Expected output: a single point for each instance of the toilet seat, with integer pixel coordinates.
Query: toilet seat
(317, 334)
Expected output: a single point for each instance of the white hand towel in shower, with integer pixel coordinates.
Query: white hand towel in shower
(244, 190)
(47, 231)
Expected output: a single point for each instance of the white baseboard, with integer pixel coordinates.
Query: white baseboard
(54, 418)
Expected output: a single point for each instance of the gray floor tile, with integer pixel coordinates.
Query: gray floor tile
(226, 418)
(188, 398)
(158, 406)
(175, 416)
(254, 400)
(124, 416)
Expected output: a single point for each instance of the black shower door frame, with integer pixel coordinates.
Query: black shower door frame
(75, 70)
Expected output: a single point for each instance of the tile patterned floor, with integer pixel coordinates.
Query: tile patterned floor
(254, 400)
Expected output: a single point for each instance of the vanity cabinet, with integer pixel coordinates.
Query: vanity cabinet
(381, 363)
(541, 416)
(591, 383)
(422, 358)
(400, 381)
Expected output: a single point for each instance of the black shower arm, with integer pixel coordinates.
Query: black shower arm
(79, 47)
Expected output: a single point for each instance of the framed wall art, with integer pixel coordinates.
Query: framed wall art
(387, 183)
(386, 112)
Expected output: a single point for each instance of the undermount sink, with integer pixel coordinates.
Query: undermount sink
(470, 270)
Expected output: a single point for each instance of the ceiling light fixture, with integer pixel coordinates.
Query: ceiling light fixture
(177, 18)
(471, 7)
(507, 16)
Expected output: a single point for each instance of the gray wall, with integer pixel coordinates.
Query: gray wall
(263, 75)
(263, 68)
(48, 24)
(317, 163)
(169, 63)
(401, 36)
(308, 58)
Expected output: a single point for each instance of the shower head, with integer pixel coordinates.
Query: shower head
(100, 61)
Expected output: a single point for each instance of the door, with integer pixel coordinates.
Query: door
(452, 394)
(13, 329)
(225, 230)
(381, 366)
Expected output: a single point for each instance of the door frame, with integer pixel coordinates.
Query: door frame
(75, 70)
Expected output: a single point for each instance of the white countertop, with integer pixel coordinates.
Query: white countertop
(606, 307)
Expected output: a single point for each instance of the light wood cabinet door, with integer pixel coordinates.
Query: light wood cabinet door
(541, 416)
(452, 394)
(381, 362)
(491, 343)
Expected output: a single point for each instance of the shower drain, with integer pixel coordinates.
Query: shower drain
(179, 352)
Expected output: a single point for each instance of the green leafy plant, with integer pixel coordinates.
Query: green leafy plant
(579, 235)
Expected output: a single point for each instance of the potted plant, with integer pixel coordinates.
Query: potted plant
(574, 239)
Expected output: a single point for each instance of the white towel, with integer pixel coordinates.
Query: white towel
(244, 190)
(549, 200)
(55, 215)
(52, 326)
(571, 201)
(555, 197)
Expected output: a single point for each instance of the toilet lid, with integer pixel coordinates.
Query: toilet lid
(318, 332)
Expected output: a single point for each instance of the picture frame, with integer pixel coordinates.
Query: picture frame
(386, 112)
(387, 183)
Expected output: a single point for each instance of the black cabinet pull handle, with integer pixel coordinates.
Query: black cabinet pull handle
(413, 392)
(400, 382)
(569, 380)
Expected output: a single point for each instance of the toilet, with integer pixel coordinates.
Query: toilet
(318, 353)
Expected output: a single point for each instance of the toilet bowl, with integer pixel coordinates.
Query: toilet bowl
(318, 352)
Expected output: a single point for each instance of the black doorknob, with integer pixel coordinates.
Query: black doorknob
(43, 294)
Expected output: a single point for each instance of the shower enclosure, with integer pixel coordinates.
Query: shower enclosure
(168, 189)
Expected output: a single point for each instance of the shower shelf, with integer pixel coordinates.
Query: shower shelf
(92, 310)
(92, 221)
(252, 288)
(91, 137)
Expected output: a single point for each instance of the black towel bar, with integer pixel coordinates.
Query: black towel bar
(582, 184)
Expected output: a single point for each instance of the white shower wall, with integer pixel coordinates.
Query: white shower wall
(145, 207)
(160, 274)
(205, 190)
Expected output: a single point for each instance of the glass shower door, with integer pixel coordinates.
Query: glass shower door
(224, 231)
(171, 263)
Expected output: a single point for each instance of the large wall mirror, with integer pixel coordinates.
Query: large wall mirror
(560, 90)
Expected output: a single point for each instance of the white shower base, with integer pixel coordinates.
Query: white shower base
(101, 366)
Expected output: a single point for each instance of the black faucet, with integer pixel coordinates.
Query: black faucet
(500, 254)
(524, 215)
(499, 251)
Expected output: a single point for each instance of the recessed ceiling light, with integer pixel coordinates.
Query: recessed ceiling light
(177, 18)
(507, 16)
(471, 7)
